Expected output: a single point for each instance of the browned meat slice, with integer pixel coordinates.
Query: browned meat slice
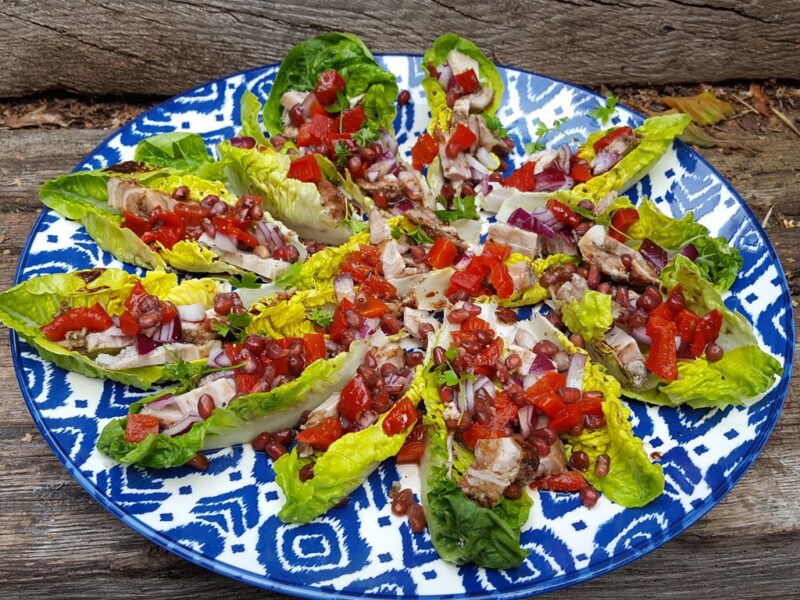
(334, 202)
(126, 195)
(498, 464)
(603, 251)
(390, 185)
(428, 220)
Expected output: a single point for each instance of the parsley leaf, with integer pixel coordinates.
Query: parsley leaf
(463, 208)
(448, 377)
(418, 235)
(321, 317)
(452, 353)
(342, 103)
(187, 374)
(235, 327)
(247, 280)
(495, 125)
(365, 136)
(603, 113)
(356, 225)
(342, 153)
(532, 147)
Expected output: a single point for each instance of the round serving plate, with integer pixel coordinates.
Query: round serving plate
(225, 519)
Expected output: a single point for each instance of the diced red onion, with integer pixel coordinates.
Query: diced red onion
(369, 326)
(564, 159)
(543, 159)
(577, 365)
(561, 360)
(677, 341)
(331, 346)
(653, 253)
(161, 402)
(541, 365)
(389, 143)
(219, 358)
(640, 335)
(486, 159)
(380, 169)
(552, 178)
(213, 377)
(525, 415)
(546, 217)
(343, 287)
(144, 344)
(469, 395)
(167, 332)
(183, 425)
(193, 313)
(522, 219)
(403, 206)
(462, 261)
(529, 380)
(445, 76)
(690, 252)
(685, 351)
(365, 419)
(485, 187)
(224, 243)
(308, 102)
(524, 339)
(476, 165)
(115, 321)
(604, 161)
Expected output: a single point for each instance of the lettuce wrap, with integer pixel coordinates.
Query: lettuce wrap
(237, 422)
(33, 303)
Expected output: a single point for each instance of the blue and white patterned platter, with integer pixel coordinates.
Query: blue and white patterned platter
(225, 519)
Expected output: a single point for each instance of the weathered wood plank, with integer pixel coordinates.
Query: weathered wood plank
(150, 47)
(53, 536)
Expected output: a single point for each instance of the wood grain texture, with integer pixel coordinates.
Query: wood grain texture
(55, 541)
(152, 47)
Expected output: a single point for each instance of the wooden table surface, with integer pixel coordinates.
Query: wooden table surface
(56, 542)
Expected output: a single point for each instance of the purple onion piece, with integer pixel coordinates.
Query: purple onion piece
(653, 253)
(183, 425)
(577, 365)
(404, 205)
(541, 364)
(604, 161)
(685, 351)
(552, 178)
(525, 416)
(160, 403)
(144, 344)
(690, 252)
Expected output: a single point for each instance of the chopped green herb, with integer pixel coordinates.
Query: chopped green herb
(418, 235)
(342, 153)
(451, 353)
(321, 317)
(365, 136)
(495, 125)
(448, 377)
(247, 280)
(235, 327)
(532, 147)
(603, 113)
(356, 225)
(342, 103)
(463, 208)
(187, 374)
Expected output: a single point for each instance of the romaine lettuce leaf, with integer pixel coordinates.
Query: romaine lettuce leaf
(590, 317)
(182, 152)
(295, 203)
(241, 421)
(342, 468)
(718, 260)
(657, 136)
(33, 303)
(348, 55)
(278, 317)
(321, 268)
(437, 96)
(250, 109)
(461, 530)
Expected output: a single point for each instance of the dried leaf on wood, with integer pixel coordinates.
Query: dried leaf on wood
(704, 109)
(697, 136)
(760, 99)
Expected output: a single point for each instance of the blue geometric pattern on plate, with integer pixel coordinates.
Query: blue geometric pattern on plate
(225, 519)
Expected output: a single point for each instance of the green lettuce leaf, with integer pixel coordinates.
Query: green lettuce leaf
(250, 109)
(278, 317)
(536, 293)
(295, 203)
(657, 136)
(632, 481)
(461, 530)
(241, 421)
(33, 303)
(342, 468)
(591, 316)
(179, 151)
(348, 55)
(437, 96)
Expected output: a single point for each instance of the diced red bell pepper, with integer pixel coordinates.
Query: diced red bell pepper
(500, 278)
(496, 250)
(481, 432)
(663, 311)
(321, 435)
(352, 120)
(487, 356)
(339, 323)
(610, 137)
(135, 223)
(546, 384)
(563, 213)
(377, 285)
(191, 213)
(461, 139)
(549, 403)
(468, 81)
(164, 227)
(621, 222)
(413, 448)
(401, 416)
(570, 416)
(137, 291)
(687, 325)
(579, 170)
(424, 151)
(314, 347)
(138, 427)
(305, 169)
(522, 178)
(663, 357)
(372, 308)
(462, 280)
(710, 326)
(315, 107)
(442, 253)
(329, 85)
(568, 481)
(227, 228)
(246, 381)
(505, 410)
(317, 130)
(354, 398)
(591, 406)
(93, 319)
(473, 324)
(128, 323)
